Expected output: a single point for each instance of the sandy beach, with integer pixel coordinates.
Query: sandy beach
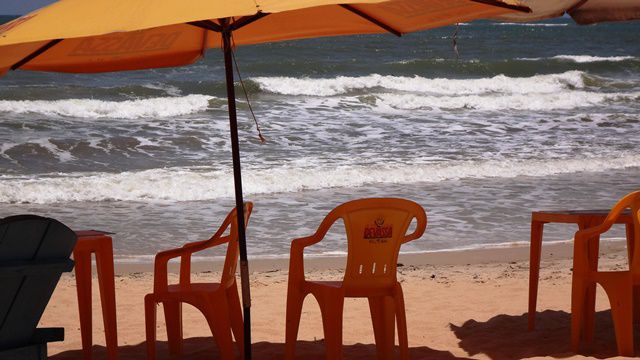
(460, 305)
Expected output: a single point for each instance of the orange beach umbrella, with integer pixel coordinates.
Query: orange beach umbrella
(582, 11)
(113, 35)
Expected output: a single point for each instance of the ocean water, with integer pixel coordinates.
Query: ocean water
(524, 117)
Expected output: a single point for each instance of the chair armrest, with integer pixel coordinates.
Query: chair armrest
(582, 238)
(185, 258)
(611, 219)
(595, 230)
(195, 244)
(421, 226)
(301, 243)
(160, 272)
(185, 261)
(184, 253)
(598, 230)
(296, 257)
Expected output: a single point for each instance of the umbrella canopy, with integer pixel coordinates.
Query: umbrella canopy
(582, 11)
(111, 35)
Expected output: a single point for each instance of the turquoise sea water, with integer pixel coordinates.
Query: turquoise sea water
(528, 116)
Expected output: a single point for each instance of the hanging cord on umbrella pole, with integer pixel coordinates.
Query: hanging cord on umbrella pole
(246, 95)
(455, 41)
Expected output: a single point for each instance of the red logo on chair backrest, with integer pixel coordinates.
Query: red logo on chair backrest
(378, 232)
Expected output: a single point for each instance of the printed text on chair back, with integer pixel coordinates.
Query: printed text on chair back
(28, 242)
(376, 228)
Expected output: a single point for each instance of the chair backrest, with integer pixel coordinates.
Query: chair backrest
(375, 230)
(233, 248)
(34, 251)
(632, 202)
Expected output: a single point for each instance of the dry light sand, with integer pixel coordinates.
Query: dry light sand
(460, 305)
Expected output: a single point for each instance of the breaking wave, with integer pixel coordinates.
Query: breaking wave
(566, 90)
(583, 58)
(184, 184)
(539, 102)
(531, 24)
(97, 109)
(438, 86)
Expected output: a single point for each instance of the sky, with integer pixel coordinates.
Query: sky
(20, 7)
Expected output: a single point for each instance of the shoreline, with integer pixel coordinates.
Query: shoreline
(517, 252)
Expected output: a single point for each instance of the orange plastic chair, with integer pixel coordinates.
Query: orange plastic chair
(218, 302)
(620, 286)
(375, 230)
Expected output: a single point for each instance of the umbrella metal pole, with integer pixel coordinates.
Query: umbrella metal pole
(237, 179)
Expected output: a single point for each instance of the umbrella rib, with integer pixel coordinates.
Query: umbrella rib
(371, 19)
(246, 20)
(206, 24)
(35, 54)
(520, 8)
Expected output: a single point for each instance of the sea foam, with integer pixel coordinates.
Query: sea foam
(183, 184)
(96, 109)
(583, 58)
(531, 24)
(437, 86)
(539, 102)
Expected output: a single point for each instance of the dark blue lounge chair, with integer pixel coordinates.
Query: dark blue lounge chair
(34, 252)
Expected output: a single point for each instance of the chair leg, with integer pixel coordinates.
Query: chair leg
(636, 291)
(104, 265)
(636, 304)
(83, 286)
(620, 293)
(578, 293)
(331, 308)
(150, 324)
(215, 311)
(589, 313)
(630, 241)
(401, 318)
(235, 315)
(173, 319)
(383, 319)
(590, 301)
(295, 300)
(534, 270)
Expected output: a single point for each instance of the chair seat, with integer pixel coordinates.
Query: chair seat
(194, 288)
(608, 274)
(316, 287)
(324, 284)
(190, 294)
